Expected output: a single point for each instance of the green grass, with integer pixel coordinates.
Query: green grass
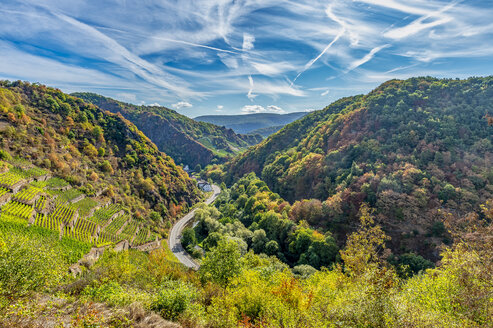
(85, 205)
(66, 195)
(70, 249)
(56, 183)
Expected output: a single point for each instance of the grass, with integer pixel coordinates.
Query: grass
(85, 205)
(70, 249)
(56, 183)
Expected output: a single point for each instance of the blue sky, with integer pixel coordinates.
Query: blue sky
(233, 56)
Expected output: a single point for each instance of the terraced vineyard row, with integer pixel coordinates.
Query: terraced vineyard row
(3, 191)
(18, 209)
(40, 204)
(106, 238)
(79, 235)
(129, 231)
(65, 213)
(144, 236)
(35, 198)
(8, 179)
(102, 215)
(28, 194)
(48, 222)
(117, 224)
(32, 172)
(85, 226)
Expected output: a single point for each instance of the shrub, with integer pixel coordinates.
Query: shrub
(4, 155)
(173, 299)
(222, 263)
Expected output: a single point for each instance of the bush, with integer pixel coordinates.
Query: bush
(4, 155)
(173, 299)
(410, 264)
(222, 263)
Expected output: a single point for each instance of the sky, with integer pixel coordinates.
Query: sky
(211, 57)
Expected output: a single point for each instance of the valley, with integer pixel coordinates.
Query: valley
(383, 185)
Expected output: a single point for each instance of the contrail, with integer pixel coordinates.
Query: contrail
(314, 60)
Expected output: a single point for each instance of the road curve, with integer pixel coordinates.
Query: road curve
(174, 239)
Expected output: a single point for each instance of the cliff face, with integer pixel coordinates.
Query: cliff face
(185, 140)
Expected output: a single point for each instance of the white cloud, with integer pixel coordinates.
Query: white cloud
(261, 109)
(437, 18)
(248, 41)
(369, 56)
(250, 94)
(182, 104)
(275, 109)
(272, 69)
(220, 107)
(253, 109)
(396, 6)
(326, 92)
(155, 104)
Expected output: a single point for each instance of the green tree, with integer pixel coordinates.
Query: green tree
(188, 237)
(259, 239)
(222, 263)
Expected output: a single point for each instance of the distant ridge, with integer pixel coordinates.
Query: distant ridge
(249, 123)
(185, 140)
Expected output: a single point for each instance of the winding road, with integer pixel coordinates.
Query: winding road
(174, 240)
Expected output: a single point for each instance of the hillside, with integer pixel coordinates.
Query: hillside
(412, 150)
(265, 132)
(185, 140)
(249, 123)
(96, 151)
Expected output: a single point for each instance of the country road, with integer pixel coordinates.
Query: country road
(174, 242)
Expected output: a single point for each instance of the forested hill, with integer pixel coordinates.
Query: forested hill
(94, 150)
(185, 140)
(250, 123)
(408, 148)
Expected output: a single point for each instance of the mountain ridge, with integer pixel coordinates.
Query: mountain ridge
(185, 140)
(413, 149)
(91, 148)
(248, 123)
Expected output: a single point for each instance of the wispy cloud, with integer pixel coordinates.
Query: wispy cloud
(248, 41)
(314, 60)
(250, 94)
(367, 57)
(437, 18)
(216, 51)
